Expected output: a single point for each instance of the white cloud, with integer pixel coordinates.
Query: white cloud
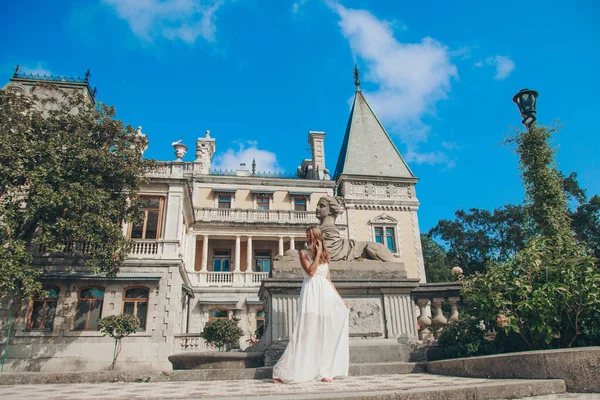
(296, 6)
(412, 77)
(184, 20)
(504, 66)
(450, 145)
(266, 161)
(429, 158)
(478, 64)
(39, 69)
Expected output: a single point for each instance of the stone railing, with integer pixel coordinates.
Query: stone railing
(256, 216)
(227, 279)
(155, 249)
(188, 342)
(141, 249)
(430, 298)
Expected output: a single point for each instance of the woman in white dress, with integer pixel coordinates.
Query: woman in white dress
(318, 348)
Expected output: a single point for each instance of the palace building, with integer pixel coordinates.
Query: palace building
(206, 241)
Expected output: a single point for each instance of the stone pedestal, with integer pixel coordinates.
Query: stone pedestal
(379, 296)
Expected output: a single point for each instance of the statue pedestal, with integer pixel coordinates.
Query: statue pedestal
(378, 293)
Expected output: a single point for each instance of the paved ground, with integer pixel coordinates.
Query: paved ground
(231, 390)
(564, 396)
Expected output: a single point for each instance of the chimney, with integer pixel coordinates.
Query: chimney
(205, 148)
(317, 142)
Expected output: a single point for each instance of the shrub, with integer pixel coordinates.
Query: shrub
(465, 338)
(118, 327)
(544, 296)
(221, 332)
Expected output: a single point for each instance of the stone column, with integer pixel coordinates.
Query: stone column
(204, 266)
(292, 243)
(190, 252)
(249, 266)
(280, 245)
(237, 254)
(453, 308)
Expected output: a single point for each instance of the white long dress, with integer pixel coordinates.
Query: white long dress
(318, 347)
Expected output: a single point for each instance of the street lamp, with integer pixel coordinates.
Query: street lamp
(525, 100)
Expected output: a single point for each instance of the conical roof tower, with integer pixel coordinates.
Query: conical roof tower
(367, 149)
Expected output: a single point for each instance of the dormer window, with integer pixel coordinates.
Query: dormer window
(224, 201)
(224, 198)
(299, 204)
(262, 202)
(263, 199)
(300, 201)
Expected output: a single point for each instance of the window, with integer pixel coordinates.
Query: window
(262, 202)
(299, 204)
(386, 235)
(151, 214)
(222, 261)
(260, 322)
(135, 302)
(43, 310)
(262, 260)
(89, 309)
(218, 313)
(224, 201)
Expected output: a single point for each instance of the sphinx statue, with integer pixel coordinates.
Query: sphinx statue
(342, 249)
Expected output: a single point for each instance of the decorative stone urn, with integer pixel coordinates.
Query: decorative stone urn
(180, 150)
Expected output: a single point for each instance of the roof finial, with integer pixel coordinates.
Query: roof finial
(17, 70)
(253, 166)
(87, 76)
(356, 78)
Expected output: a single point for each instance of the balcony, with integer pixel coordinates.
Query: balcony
(256, 216)
(155, 249)
(141, 249)
(227, 279)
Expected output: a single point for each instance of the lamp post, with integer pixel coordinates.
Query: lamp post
(525, 100)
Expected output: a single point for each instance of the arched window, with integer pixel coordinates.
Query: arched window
(218, 313)
(135, 302)
(42, 310)
(260, 322)
(89, 308)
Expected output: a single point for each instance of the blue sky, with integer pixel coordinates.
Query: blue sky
(260, 74)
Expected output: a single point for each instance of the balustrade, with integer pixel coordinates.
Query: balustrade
(258, 216)
(188, 342)
(159, 249)
(227, 279)
(434, 296)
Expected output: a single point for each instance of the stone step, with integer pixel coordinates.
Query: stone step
(386, 368)
(379, 353)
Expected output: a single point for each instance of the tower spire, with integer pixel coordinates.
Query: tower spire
(356, 78)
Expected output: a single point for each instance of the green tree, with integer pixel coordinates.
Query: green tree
(68, 172)
(476, 237)
(118, 327)
(437, 265)
(221, 332)
(584, 214)
(550, 289)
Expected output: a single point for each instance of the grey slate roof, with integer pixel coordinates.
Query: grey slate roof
(367, 148)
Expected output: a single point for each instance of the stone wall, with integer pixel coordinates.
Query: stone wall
(580, 367)
(64, 349)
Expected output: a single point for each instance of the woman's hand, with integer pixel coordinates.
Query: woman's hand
(319, 248)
